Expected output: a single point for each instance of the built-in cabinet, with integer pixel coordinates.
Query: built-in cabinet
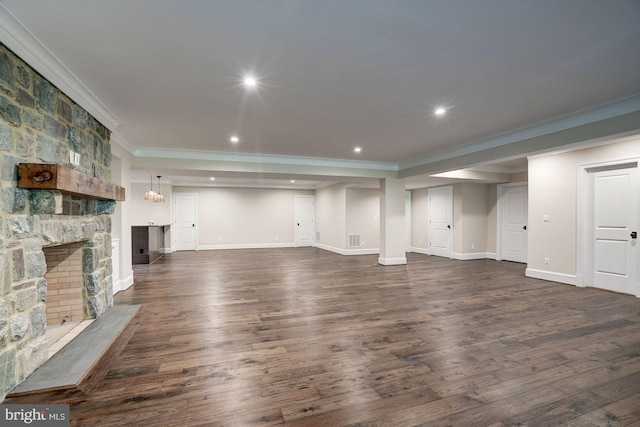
(147, 243)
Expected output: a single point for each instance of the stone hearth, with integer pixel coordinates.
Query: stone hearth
(40, 124)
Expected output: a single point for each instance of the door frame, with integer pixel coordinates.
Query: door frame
(585, 219)
(295, 218)
(174, 233)
(407, 220)
(500, 207)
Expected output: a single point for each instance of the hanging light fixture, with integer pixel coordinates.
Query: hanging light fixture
(159, 196)
(151, 195)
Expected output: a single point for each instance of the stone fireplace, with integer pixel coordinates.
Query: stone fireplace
(40, 124)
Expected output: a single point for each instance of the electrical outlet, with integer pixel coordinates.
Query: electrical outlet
(72, 157)
(546, 218)
(77, 159)
(473, 246)
(547, 260)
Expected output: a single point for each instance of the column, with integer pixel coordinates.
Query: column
(392, 222)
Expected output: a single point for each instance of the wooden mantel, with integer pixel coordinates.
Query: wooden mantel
(42, 176)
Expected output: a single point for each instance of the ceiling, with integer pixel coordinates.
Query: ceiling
(334, 74)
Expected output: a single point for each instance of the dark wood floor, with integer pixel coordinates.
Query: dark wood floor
(307, 337)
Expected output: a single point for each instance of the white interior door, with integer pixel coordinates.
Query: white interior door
(513, 236)
(185, 211)
(615, 219)
(305, 214)
(440, 221)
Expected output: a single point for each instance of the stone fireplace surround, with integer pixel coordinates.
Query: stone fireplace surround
(40, 124)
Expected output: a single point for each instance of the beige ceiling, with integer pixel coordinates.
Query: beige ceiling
(337, 74)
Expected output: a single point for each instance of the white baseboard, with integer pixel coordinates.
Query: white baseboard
(123, 284)
(492, 255)
(423, 251)
(246, 246)
(464, 257)
(169, 250)
(392, 261)
(373, 251)
(569, 279)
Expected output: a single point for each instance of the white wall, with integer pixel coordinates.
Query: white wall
(244, 217)
(143, 211)
(121, 220)
(363, 216)
(331, 217)
(553, 192)
(471, 227)
(419, 219)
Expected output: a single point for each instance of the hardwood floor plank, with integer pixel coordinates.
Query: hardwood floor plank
(305, 337)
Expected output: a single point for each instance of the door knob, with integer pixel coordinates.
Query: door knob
(449, 227)
(634, 234)
(524, 227)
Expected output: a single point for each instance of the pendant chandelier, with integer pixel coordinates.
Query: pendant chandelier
(154, 196)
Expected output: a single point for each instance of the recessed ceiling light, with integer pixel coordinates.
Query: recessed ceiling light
(212, 178)
(357, 150)
(440, 111)
(293, 181)
(250, 81)
(234, 139)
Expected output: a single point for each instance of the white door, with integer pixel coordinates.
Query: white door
(513, 240)
(440, 221)
(615, 219)
(305, 215)
(185, 214)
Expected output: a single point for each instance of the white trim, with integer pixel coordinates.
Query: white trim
(552, 276)
(246, 246)
(119, 139)
(392, 261)
(31, 50)
(492, 255)
(347, 252)
(469, 256)
(417, 250)
(167, 153)
(407, 219)
(616, 108)
(123, 284)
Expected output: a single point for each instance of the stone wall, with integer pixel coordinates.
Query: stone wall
(39, 124)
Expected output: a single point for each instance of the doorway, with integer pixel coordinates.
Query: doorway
(185, 221)
(440, 221)
(609, 222)
(513, 208)
(305, 214)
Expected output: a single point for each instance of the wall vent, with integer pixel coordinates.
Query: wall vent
(353, 240)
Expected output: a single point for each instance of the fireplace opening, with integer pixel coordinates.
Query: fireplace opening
(65, 300)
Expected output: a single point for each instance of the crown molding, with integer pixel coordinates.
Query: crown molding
(15, 36)
(613, 109)
(263, 158)
(118, 138)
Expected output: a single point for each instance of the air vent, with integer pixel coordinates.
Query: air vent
(353, 240)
